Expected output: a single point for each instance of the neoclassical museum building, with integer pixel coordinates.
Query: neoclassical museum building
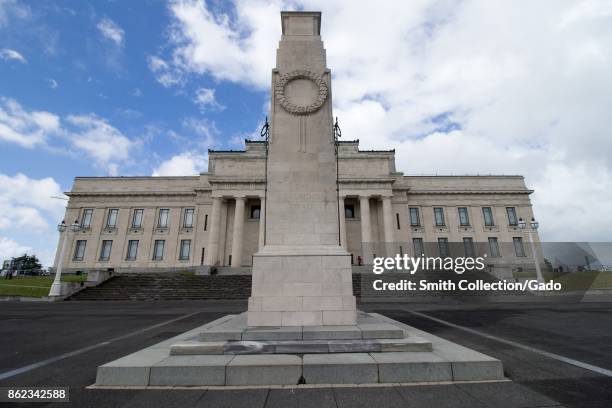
(217, 218)
(148, 224)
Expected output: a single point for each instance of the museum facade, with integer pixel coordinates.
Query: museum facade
(147, 224)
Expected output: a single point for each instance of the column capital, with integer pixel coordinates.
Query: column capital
(240, 198)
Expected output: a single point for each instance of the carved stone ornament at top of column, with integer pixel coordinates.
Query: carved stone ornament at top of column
(298, 109)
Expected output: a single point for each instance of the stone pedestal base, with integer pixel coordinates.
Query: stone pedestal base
(228, 353)
(297, 286)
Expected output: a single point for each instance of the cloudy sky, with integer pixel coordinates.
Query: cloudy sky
(456, 87)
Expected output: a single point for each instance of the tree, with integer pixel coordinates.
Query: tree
(26, 263)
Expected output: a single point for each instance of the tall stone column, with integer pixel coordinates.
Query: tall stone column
(342, 222)
(301, 276)
(215, 226)
(262, 221)
(388, 224)
(238, 232)
(366, 229)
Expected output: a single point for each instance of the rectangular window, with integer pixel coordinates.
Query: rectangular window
(415, 219)
(137, 218)
(464, 218)
(519, 249)
(132, 250)
(162, 221)
(443, 247)
(512, 220)
(188, 218)
(439, 216)
(349, 211)
(397, 220)
(111, 220)
(79, 250)
(86, 219)
(417, 246)
(205, 222)
(255, 212)
(185, 249)
(158, 250)
(468, 247)
(494, 247)
(488, 216)
(105, 251)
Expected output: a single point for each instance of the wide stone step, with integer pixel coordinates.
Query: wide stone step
(235, 330)
(193, 347)
(155, 366)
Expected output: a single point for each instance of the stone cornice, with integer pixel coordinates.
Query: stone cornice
(236, 180)
(456, 192)
(367, 180)
(128, 193)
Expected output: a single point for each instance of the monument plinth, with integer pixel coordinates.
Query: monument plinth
(302, 275)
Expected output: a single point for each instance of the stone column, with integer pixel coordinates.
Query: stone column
(388, 224)
(342, 222)
(238, 230)
(262, 221)
(215, 226)
(366, 229)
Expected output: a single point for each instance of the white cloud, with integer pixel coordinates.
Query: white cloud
(205, 131)
(27, 129)
(100, 140)
(165, 74)
(88, 133)
(8, 54)
(205, 99)
(12, 9)
(10, 248)
(206, 43)
(184, 164)
(52, 83)
(111, 31)
(26, 202)
(454, 87)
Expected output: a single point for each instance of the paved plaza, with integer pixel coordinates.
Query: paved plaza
(38, 337)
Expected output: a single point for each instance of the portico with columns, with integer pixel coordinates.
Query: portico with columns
(368, 180)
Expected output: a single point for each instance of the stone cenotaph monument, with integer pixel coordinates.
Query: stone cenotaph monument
(302, 275)
(302, 326)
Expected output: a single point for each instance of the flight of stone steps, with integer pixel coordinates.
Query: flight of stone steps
(167, 286)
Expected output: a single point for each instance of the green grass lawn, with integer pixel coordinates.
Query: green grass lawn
(33, 286)
(575, 280)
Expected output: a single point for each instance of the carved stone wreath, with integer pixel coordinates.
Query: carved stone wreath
(301, 109)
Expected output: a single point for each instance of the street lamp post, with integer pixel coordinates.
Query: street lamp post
(56, 287)
(533, 227)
